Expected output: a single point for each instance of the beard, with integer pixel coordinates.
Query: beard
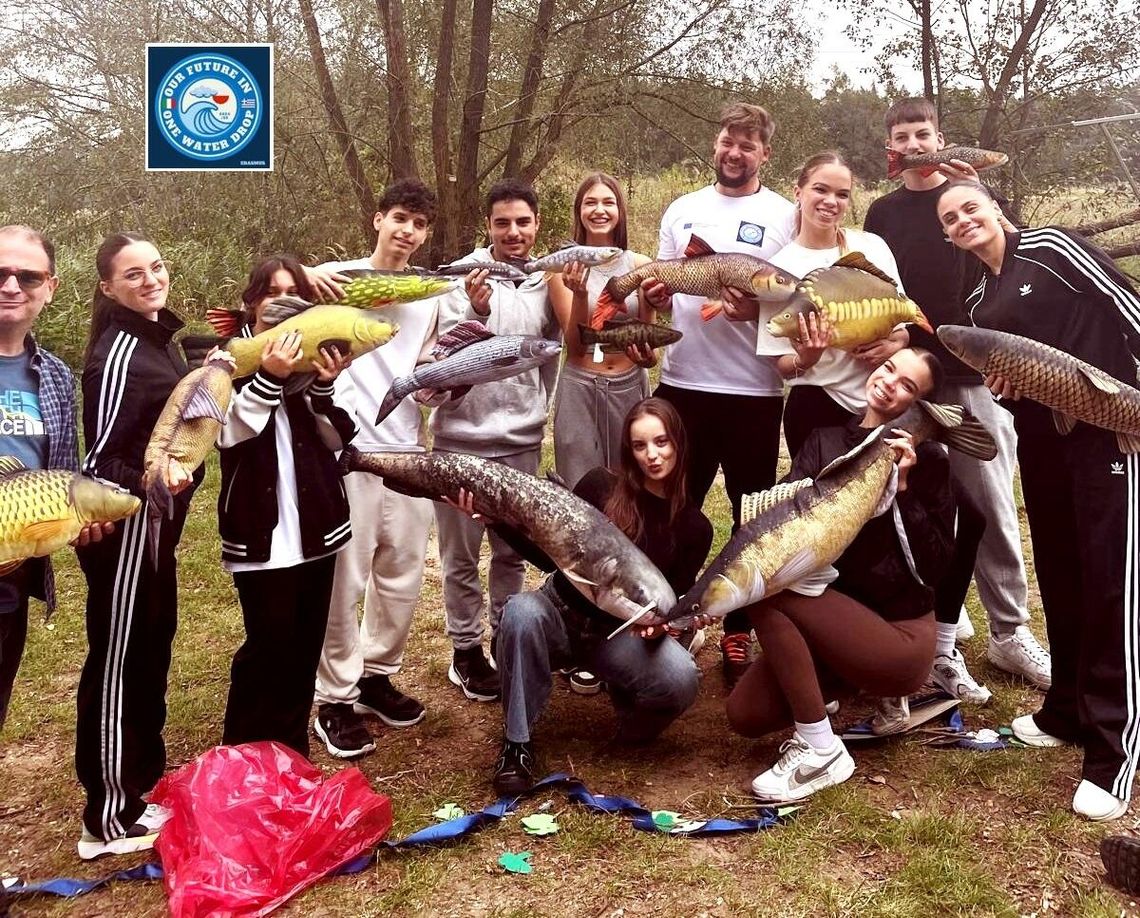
(729, 181)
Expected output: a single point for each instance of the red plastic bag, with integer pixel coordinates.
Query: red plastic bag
(255, 824)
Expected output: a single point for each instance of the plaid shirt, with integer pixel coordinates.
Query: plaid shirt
(57, 407)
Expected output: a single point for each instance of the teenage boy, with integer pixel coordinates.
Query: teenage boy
(503, 421)
(37, 422)
(384, 562)
(938, 276)
(730, 399)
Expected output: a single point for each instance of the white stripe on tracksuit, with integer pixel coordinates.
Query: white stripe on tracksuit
(132, 552)
(111, 391)
(1130, 739)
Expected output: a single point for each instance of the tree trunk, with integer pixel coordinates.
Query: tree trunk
(927, 50)
(401, 150)
(444, 244)
(361, 187)
(528, 92)
(467, 191)
(990, 133)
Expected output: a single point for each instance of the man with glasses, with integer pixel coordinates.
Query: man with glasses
(37, 422)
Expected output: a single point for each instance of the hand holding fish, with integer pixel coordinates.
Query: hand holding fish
(878, 352)
(92, 533)
(329, 363)
(1001, 387)
(642, 354)
(814, 338)
(739, 306)
(905, 456)
(478, 291)
(465, 503)
(327, 284)
(657, 294)
(282, 356)
(177, 477)
(575, 275)
(958, 170)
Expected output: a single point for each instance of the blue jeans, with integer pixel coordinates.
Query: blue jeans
(651, 682)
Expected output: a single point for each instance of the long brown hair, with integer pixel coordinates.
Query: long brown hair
(826, 158)
(261, 276)
(622, 506)
(102, 306)
(621, 233)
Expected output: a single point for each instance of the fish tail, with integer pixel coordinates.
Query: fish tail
(588, 336)
(347, 461)
(960, 430)
(604, 310)
(894, 164)
(159, 504)
(711, 309)
(225, 322)
(391, 399)
(921, 321)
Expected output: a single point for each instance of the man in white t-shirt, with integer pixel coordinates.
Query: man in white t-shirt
(730, 399)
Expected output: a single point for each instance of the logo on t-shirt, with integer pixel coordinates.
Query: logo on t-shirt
(20, 414)
(752, 233)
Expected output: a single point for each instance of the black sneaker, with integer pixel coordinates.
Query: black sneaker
(514, 772)
(473, 674)
(343, 731)
(380, 697)
(1121, 856)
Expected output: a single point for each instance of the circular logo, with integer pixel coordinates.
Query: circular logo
(208, 106)
(750, 232)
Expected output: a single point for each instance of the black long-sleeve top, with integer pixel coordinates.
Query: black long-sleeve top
(874, 570)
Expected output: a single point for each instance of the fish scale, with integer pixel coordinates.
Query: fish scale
(369, 289)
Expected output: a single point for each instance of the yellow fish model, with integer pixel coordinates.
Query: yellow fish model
(42, 510)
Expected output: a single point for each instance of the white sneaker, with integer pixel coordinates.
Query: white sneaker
(1020, 653)
(949, 673)
(1025, 729)
(965, 628)
(802, 770)
(139, 837)
(891, 715)
(1096, 804)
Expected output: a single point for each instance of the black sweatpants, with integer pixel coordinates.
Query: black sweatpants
(132, 614)
(950, 592)
(13, 632)
(1081, 496)
(738, 433)
(274, 672)
(809, 407)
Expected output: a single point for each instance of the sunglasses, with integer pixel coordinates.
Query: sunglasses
(25, 277)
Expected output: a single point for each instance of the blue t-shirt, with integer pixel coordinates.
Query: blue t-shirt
(22, 430)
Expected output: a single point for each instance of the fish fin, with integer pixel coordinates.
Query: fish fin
(588, 336)
(577, 579)
(839, 461)
(8, 566)
(202, 404)
(604, 310)
(960, 430)
(298, 382)
(196, 347)
(816, 582)
(465, 333)
(752, 505)
(365, 273)
(459, 391)
(1128, 443)
(1101, 381)
(391, 398)
(9, 465)
(921, 321)
(894, 164)
(42, 530)
(798, 569)
(711, 309)
(1063, 422)
(697, 247)
(341, 345)
(225, 322)
(619, 320)
(859, 260)
(280, 308)
(565, 244)
(553, 477)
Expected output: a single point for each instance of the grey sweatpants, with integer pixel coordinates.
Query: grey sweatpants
(588, 413)
(999, 570)
(460, 539)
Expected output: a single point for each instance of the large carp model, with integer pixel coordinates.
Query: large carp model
(593, 554)
(1073, 389)
(791, 534)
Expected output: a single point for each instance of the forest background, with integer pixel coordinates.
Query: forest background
(462, 92)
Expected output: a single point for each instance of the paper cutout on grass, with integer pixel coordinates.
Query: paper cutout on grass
(515, 863)
(449, 811)
(540, 824)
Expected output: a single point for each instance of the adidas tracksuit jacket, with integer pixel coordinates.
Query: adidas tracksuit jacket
(1081, 495)
(132, 599)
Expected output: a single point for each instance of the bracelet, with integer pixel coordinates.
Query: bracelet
(796, 368)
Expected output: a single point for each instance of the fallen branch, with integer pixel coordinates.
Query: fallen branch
(1123, 251)
(1103, 226)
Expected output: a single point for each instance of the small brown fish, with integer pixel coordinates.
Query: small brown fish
(861, 302)
(928, 163)
(701, 272)
(622, 331)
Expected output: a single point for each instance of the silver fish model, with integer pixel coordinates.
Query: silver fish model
(791, 534)
(589, 255)
(1073, 389)
(468, 355)
(496, 270)
(597, 557)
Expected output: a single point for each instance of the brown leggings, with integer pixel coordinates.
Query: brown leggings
(829, 643)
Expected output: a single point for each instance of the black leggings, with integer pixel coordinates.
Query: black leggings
(813, 644)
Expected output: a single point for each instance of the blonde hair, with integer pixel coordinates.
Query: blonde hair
(826, 158)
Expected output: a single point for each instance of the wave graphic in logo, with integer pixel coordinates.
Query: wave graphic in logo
(208, 106)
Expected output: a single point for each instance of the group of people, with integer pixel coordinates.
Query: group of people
(306, 545)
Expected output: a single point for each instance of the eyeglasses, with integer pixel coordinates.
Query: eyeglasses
(25, 277)
(136, 277)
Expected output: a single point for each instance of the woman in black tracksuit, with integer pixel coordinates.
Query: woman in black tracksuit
(283, 516)
(130, 368)
(1081, 491)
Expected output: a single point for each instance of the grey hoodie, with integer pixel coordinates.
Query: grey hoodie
(506, 417)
